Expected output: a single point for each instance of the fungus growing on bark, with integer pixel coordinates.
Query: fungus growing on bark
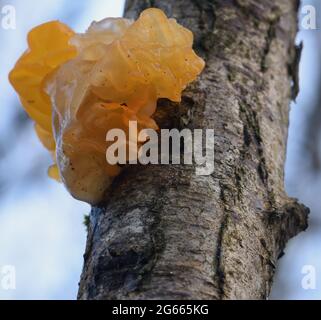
(77, 87)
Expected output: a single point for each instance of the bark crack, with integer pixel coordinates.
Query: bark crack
(294, 71)
(270, 36)
(218, 263)
(252, 136)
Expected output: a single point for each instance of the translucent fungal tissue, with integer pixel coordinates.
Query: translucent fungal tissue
(76, 87)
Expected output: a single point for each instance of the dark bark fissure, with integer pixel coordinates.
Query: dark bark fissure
(218, 257)
(164, 232)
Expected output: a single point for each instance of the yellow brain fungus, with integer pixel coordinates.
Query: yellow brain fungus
(48, 49)
(76, 87)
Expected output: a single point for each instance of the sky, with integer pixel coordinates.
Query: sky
(41, 226)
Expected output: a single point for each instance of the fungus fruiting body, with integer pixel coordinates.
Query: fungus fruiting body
(76, 87)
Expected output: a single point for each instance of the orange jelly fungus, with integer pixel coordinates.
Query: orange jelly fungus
(76, 87)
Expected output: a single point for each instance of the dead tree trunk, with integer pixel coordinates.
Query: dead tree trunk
(166, 233)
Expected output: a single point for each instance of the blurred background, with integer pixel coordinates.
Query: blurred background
(41, 227)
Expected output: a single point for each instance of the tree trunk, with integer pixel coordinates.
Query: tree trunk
(166, 233)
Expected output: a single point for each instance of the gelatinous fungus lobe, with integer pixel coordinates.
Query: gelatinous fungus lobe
(77, 87)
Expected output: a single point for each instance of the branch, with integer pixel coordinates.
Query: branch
(165, 233)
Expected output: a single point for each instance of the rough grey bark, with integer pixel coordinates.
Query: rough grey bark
(166, 233)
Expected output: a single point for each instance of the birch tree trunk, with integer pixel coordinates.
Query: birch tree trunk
(166, 233)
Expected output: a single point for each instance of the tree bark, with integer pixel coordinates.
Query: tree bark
(166, 233)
